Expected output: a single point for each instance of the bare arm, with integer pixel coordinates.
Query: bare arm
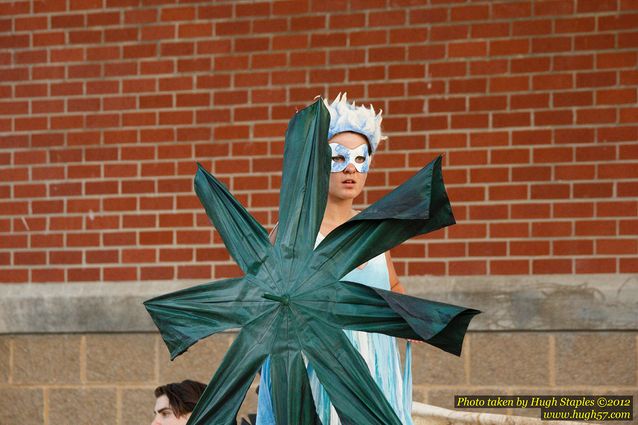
(273, 234)
(395, 285)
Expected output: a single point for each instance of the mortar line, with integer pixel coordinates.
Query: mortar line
(11, 361)
(118, 405)
(552, 360)
(45, 405)
(83, 359)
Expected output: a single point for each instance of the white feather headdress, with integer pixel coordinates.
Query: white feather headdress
(348, 117)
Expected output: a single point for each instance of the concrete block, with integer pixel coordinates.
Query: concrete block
(49, 359)
(137, 406)
(596, 358)
(24, 406)
(120, 358)
(83, 406)
(199, 363)
(520, 358)
(431, 365)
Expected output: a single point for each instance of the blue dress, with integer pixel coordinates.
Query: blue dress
(378, 350)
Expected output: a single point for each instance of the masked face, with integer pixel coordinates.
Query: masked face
(347, 183)
(342, 156)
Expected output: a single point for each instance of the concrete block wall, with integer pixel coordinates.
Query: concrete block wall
(108, 379)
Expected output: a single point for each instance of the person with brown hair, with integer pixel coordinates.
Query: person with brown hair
(176, 401)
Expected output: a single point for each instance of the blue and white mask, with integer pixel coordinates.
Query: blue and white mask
(342, 156)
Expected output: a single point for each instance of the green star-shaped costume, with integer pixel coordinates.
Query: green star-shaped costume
(291, 302)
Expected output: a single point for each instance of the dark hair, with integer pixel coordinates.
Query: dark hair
(182, 396)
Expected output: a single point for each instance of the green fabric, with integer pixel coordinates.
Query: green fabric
(290, 301)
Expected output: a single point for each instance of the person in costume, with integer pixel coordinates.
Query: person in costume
(175, 401)
(354, 136)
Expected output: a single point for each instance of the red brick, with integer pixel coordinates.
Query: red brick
(468, 157)
(628, 227)
(550, 191)
(627, 189)
(593, 190)
(573, 247)
(157, 272)
(29, 258)
(65, 257)
(627, 265)
(116, 274)
(575, 172)
(573, 98)
(155, 237)
(507, 192)
(119, 238)
(595, 265)
(618, 171)
(436, 268)
(193, 237)
(120, 204)
(47, 207)
(487, 249)
(459, 268)
(101, 222)
(211, 254)
(488, 212)
(617, 209)
(573, 209)
(533, 173)
(466, 194)
(467, 230)
(550, 266)
(509, 156)
(595, 228)
(628, 151)
(47, 275)
(83, 239)
(176, 220)
(618, 134)
(83, 274)
(509, 267)
(616, 246)
(65, 223)
(176, 254)
(14, 276)
(492, 174)
(50, 240)
(529, 247)
(227, 271)
(135, 255)
(446, 249)
(552, 228)
(509, 230)
(102, 256)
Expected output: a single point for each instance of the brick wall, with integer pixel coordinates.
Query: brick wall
(107, 105)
